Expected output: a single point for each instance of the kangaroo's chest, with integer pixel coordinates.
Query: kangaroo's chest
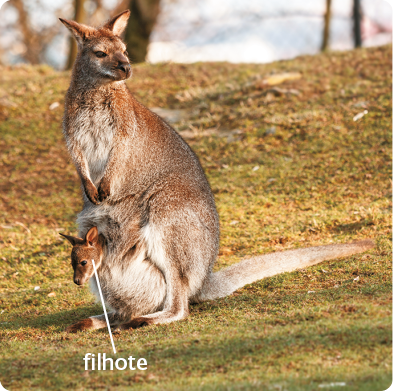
(95, 135)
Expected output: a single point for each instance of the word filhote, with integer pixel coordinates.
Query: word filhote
(104, 363)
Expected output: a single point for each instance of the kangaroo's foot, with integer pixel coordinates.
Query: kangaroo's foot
(156, 318)
(93, 323)
(84, 324)
(135, 323)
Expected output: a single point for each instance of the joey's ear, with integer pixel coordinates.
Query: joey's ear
(73, 239)
(92, 236)
(79, 31)
(118, 23)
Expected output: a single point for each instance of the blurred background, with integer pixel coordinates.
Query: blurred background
(185, 31)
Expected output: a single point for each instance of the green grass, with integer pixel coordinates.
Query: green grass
(322, 178)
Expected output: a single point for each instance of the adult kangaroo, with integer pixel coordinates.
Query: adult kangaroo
(145, 191)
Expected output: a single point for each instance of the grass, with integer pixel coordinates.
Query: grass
(321, 178)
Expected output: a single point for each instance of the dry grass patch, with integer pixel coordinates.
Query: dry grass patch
(289, 168)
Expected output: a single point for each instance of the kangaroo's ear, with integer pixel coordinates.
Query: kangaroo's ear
(118, 23)
(73, 239)
(79, 31)
(92, 236)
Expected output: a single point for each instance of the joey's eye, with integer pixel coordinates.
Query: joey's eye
(83, 263)
(101, 54)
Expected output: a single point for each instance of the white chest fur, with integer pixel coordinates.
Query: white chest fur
(95, 134)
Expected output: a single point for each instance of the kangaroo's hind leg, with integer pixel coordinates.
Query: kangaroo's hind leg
(176, 298)
(94, 323)
(182, 249)
(175, 307)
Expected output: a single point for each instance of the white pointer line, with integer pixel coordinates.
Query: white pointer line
(103, 306)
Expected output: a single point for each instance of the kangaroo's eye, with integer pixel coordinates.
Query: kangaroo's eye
(101, 54)
(83, 263)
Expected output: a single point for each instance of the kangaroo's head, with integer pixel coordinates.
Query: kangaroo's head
(102, 55)
(83, 251)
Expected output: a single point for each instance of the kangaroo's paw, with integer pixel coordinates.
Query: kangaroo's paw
(85, 324)
(104, 190)
(136, 323)
(91, 193)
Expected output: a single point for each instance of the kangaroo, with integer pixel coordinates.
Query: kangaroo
(221, 284)
(146, 192)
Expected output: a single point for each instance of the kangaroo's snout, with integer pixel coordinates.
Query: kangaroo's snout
(126, 68)
(123, 64)
(80, 278)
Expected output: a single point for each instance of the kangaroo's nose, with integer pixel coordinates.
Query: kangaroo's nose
(125, 67)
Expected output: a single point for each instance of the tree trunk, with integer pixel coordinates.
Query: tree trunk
(142, 19)
(33, 48)
(80, 16)
(356, 23)
(326, 29)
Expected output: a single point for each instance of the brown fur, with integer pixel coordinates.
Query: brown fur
(145, 191)
(83, 251)
(82, 325)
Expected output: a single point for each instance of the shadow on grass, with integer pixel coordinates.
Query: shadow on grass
(352, 227)
(293, 313)
(60, 319)
(286, 350)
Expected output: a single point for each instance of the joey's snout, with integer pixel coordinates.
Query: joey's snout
(83, 271)
(81, 278)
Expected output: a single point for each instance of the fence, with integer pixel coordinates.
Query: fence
(206, 30)
(264, 31)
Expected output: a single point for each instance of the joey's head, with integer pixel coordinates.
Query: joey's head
(102, 56)
(83, 251)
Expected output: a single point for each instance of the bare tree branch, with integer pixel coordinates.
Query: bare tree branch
(35, 41)
(30, 39)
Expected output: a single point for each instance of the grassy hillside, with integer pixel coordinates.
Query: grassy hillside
(289, 168)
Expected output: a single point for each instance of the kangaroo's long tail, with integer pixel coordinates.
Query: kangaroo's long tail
(228, 280)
